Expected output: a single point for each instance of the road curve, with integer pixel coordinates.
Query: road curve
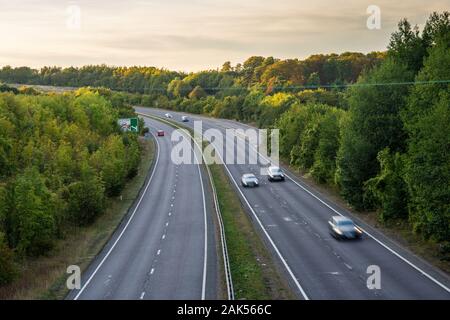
(166, 247)
(293, 219)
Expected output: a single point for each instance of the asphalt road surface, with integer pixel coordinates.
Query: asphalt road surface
(166, 247)
(292, 219)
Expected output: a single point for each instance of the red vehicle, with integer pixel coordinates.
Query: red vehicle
(160, 133)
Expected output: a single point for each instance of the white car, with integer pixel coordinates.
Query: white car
(184, 119)
(249, 180)
(168, 115)
(275, 173)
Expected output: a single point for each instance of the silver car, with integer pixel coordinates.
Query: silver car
(249, 180)
(275, 173)
(344, 228)
(168, 115)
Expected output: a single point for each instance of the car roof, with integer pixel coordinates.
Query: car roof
(274, 168)
(249, 175)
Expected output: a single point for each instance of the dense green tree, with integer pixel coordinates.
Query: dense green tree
(32, 219)
(388, 188)
(374, 123)
(85, 197)
(427, 121)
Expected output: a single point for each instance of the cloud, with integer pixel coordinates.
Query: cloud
(195, 34)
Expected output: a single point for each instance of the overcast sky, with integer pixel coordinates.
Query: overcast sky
(192, 35)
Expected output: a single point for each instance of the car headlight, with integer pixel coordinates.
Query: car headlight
(358, 230)
(338, 231)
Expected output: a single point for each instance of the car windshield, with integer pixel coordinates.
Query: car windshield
(344, 223)
(276, 170)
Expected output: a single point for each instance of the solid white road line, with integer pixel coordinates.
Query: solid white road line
(125, 228)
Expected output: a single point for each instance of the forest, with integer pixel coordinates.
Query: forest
(374, 126)
(61, 157)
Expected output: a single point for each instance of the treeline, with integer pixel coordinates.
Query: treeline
(263, 72)
(61, 156)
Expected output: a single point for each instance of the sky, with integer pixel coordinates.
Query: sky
(193, 35)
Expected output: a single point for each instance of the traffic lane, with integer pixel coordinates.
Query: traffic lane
(178, 270)
(412, 274)
(124, 271)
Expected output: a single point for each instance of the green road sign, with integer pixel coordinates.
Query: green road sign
(129, 124)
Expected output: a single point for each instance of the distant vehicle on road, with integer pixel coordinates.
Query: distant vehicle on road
(184, 119)
(249, 180)
(160, 133)
(275, 173)
(168, 115)
(344, 228)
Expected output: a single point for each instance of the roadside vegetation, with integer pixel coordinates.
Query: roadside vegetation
(373, 126)
(62, 157)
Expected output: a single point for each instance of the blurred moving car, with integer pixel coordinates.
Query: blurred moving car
(168, 115)
(160, 133)
(275, 173)
(249, 180)
(184, 119)
(344, 228)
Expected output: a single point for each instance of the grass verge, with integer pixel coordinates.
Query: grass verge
(255, 275)
(45, 277)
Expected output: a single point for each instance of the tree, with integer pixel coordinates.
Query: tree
(388, 188)
(324, 167)
(85, 198)
(226, 67)
(197, 93)
(110, 163)
(427, 168)
(313, 80)
(374, 123)
(178, 88)
(8, 270)
(406, 46)
(33, 218)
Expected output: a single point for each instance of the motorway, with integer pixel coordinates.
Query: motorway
(292, 219)
(165, 248)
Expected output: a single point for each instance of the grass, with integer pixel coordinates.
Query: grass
(45, 277)
(255, 275)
